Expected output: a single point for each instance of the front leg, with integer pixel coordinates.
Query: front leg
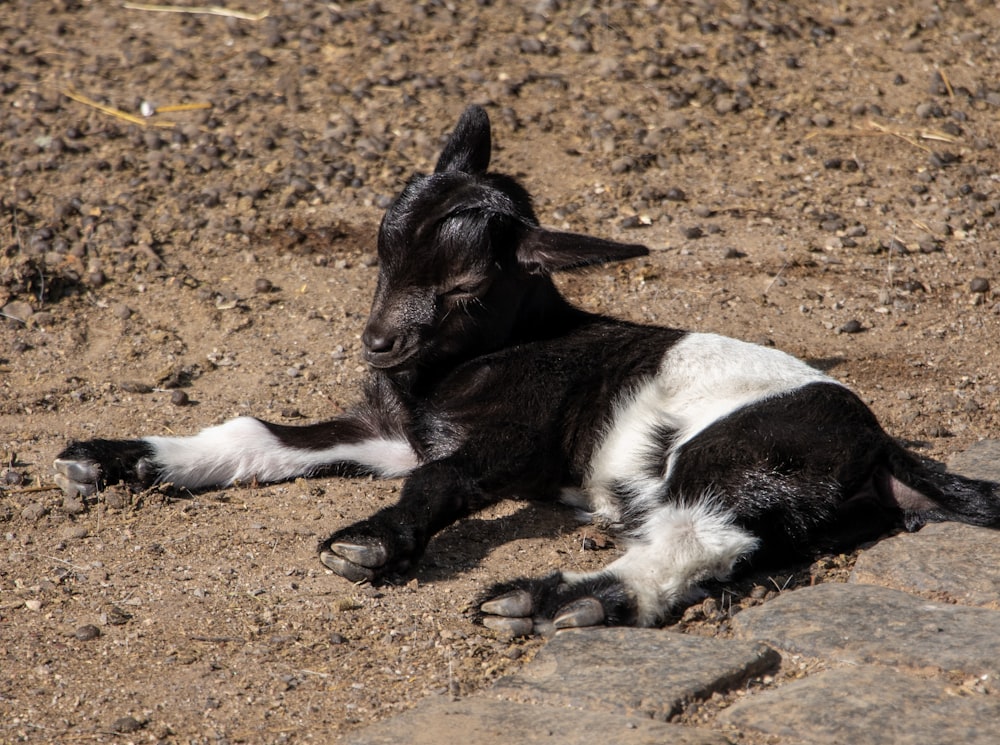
(393, 539)
(243, 449)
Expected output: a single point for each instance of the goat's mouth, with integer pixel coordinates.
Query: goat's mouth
(391, 361)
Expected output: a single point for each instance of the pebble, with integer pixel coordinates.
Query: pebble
(179, 397)
(940, 159)
(979, 285)
(17, 310)
(134, 386)
(851, 327)
(87, 632)
(263, 285)
(124, 725)
(622, 165)
(34, 511)
(73, 506)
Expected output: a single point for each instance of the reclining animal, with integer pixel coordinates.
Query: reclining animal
(486, 384)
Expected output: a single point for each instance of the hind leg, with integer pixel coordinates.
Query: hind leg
(675, 549)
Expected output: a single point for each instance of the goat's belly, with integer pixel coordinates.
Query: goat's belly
(703, 379)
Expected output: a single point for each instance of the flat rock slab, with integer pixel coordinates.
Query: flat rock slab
(484, 721)
(980, 461)
(863, 624)
(956, 562)
(634, 671)
(869, 706)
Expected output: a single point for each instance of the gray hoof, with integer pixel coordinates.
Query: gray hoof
(580, 614)
(509, 626)
(346, 569)
(515, 604)
(372, 556)
(77, 477)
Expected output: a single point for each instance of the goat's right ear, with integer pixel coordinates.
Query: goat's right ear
(543, 251)
(468, 147)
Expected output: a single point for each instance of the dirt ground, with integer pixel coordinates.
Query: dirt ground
(823, 180)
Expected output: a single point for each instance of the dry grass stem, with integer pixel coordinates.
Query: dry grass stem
(947, 84)
(35, 489)
(201, 10)
(880, 130)
(111, 110)
(182, 107)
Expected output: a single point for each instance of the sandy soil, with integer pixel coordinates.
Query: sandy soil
(825, 181)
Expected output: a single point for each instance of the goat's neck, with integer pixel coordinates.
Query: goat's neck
(546, 314)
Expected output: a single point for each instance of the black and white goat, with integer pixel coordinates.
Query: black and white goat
(486, 384)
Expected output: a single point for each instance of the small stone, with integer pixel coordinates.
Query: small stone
(87, 632)
(17, 310)
(851, 327)
(134, 386)
(72, 506)
(943, 158)
(34, 511)
(122, 312)
(979, 285)
(263, 285)
(693, 232)
(897, 247)
(622, 165)
(179, 397)
(115, 497)
(126, 724)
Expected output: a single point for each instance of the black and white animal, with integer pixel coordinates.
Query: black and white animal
(486, 384)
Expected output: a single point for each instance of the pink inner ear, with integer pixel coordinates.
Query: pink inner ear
(545, 251)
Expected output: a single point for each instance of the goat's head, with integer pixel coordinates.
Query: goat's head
(461, 254)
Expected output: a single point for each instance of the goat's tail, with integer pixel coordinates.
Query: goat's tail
(927, 495)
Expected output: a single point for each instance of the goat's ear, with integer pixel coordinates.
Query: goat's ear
(543, 251)
(468, 147)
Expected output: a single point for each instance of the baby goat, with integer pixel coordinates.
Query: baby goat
(486, 384)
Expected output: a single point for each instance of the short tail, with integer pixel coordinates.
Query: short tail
(927, 495)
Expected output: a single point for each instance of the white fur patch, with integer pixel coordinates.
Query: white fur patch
(243, 449)
(679, 547)
(702, 379)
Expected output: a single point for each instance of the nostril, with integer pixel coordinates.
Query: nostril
(379, 343)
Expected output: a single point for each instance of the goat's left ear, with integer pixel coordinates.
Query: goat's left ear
(543, 251)
(468, 147)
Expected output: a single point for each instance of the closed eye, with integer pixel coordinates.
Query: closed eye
(467, 291)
